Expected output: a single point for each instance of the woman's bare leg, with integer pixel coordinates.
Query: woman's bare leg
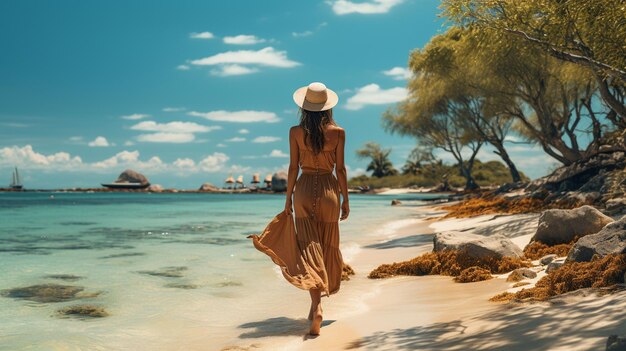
(316, 311)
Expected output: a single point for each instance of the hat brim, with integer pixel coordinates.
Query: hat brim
(331, 100)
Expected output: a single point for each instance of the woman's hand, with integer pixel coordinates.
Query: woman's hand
(288, 206)
(345, 210)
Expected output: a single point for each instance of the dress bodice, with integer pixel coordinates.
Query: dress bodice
(324, 162)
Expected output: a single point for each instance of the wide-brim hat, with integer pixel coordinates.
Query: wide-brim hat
(315, 97)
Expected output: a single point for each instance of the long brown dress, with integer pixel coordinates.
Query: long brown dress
(308, 253)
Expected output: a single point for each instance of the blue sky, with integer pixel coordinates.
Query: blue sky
(188, 92)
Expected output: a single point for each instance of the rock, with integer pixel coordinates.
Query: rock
(396, 202)
(615, 206)
(562, 226)
(610, 240)
(84, 311)
(547, 259)
(521, 274)
(554, 265)
(279, 181)
(130, 176)
(155, 188)
(616, 343)
(478, 246)
(66, 277)
(208, 187)
(44, 293)
(181, 286)
(167, 272)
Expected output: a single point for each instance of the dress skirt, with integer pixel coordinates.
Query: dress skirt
(307, 248)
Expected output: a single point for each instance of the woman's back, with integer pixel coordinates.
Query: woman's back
(325, 160)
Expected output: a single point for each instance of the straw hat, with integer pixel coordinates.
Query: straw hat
(315, 97)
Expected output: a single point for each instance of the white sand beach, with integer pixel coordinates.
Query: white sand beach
(435, 313)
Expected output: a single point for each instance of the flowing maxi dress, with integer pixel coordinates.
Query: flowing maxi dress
(308, 253)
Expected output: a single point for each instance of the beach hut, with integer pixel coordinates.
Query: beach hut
(255, 179)
(229, 181)
(268, 181)
(239, 181)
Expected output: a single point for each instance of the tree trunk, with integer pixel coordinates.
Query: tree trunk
(470, 183)
(501, 151)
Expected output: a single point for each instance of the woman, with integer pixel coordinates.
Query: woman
(308, 253)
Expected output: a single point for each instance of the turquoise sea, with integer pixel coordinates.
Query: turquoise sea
(173, 271)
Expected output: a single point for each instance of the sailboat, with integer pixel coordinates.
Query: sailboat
(16, 182)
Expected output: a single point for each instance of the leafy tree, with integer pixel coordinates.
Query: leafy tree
(418, 159)
(380, 165)
(590, 34)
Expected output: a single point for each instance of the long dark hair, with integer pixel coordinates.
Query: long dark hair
(314, 123)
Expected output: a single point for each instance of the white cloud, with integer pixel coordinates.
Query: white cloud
(184, 163)
(76, 139)
(233, 70)
(243, 131)
(26, 157)
(174, 109)
(399, 73)
(372, 94)
(129, 143)
(135, 116)
(245, 116)
(243, 39)
(235, 140)
(306, 33)
(344, 7)
(183, 67)
(161, 137)
(201, 35)
(173, 127)
(221, 145)
(278, 153)
(99, 142)
(246, 61)
(213, 163)
(265, 139)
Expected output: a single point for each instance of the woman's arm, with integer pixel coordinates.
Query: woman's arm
(294, 167)
(342, 175)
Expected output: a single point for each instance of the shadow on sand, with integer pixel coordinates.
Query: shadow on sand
(581, 323)
(278, 326)
(407, 241)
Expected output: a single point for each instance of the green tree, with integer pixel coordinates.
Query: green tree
(590, 34)
(380, 165)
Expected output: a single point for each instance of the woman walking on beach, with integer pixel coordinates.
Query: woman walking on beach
(308, 253)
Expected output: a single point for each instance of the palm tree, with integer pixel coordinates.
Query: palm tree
(380, 165)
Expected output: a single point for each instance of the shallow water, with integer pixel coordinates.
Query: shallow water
(173, 271)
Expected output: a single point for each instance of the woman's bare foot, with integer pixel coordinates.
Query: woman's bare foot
(316, 321)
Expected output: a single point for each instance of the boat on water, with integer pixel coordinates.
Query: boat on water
(16, 182)
(125, 185)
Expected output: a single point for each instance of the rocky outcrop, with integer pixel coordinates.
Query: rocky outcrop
(545, 260)
(83, 311)
(616, 343)
(396, 202)
(554, 265)
(279, 181)
(45, 293)
(130, 176)
(208, 187)
(610, 240)
(155, 188)
(521, 274)
(478, 246)
(562, 226)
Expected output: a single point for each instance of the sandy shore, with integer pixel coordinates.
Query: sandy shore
(434, 313)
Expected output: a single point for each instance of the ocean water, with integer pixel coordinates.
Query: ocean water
(173, 271)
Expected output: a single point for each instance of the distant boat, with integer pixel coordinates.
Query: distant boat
(126, 185)
(16, 182)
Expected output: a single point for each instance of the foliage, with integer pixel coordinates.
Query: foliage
(380, 165)
(431, 174)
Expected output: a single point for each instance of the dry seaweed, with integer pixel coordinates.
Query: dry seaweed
(536, 249)
(599, 273)
(473, 274)
(496, 204)
(346, 272)
(447, 262)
